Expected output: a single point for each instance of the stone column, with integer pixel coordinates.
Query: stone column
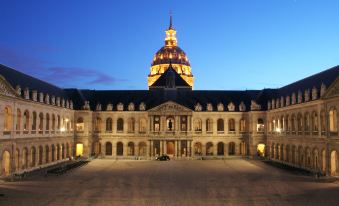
(165, 147)
(179, 148)
(114, 148)
(175, 148)
(151, 148)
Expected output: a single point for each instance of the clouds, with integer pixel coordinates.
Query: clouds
(76, 77)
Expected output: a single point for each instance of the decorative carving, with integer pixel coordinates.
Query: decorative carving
(53, 100)
(314, 93)
(6, 88)
(58, 101)
(209, 107)
(131, 106)
(170, 107)
(41, 97)
(307, 95)
(47, 100)
(300, 97)
(294, 98)
(120, 107)
(98, 107)
(142, 106)
(198, 107)
(26, 93)
(322, 89)
(18, 90)
(220, 107)
(109, 107)
(277, 103)
(269, 106)
(86, 105)
(34, 95)
(288, 101)
(242, 107)
(231, 107)
(255, 106)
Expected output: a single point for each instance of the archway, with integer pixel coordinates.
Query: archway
(108, 149)
(170, 148)
(33, 156)
(6, 163)
(142, 149)
(323, 160)
(40, 154)
(130, 147)
(231, 148)
(220, 148)
(46, 154)
(120, 149)
(198, 148)
(334, 163)
(79, 149)
(261, 150)
(17, 160)
(209, 148)
(24, 158)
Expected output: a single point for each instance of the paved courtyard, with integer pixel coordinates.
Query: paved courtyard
(213, 182)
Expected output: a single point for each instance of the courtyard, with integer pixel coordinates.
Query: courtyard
(175, 182)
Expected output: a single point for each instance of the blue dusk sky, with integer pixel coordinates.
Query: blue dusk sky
(231, 44)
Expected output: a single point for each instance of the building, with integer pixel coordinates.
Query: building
(42, 124)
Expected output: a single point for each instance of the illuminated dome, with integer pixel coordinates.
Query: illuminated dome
(174, 54)
(170, 53)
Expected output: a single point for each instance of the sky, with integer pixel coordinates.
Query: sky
(109, 44)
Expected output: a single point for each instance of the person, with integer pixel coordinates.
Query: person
(170, 125)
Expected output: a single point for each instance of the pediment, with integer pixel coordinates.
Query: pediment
(6, 89)
(333, 90)
(170, 108)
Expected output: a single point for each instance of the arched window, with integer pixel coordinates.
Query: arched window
(18, 119)
(120, 149)
(33, 156)
(53, 122)
(286, 124)
(300, 123)
(231, 148)
(34, 121)
(41, 122)
(220, 149)
(209, 148)
(142, 125)
(220, 125)
(98, 124)
(130, 147)
(322, 122)
(231, 125)
(293, 122)
(315, 122)
(47, 122)
(120, 125)
(307, 122)
(197, 125)
(7, 119)
(260, 125)
(198, 148)
(109, 123)
(332, 115)
(58, 122)
(170, 124)
(209, 125)
(242, 125)
(142, 149)
(26, 120)
(108, 150)
(80, 126)
(131, 123)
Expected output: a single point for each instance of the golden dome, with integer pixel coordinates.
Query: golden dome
(170, 53)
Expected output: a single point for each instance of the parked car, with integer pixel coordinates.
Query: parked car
(163, 158)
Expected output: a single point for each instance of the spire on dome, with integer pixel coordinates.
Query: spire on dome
(171, 39)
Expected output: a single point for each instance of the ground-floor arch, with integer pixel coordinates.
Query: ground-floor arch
(220, 148)
(79, 149)
(231, 148)
(130, 149)
(261, 150)
(120, 149)
(108, 149)
(334, 163)
(6, 163)
(142, 149)
(198, 148)
(209, 148)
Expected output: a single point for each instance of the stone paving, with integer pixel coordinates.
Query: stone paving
(195, 182)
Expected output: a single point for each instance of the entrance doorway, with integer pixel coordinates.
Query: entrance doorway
(6, 163)
(261, 150)
(170, 148)
(80, 149)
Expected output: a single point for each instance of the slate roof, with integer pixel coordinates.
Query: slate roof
(170, 73)
(15, 78)
(152, 98)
